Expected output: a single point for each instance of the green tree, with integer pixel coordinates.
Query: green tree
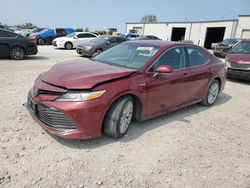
(27, 25)
(79, 29)
(101, 32)
(150, 18)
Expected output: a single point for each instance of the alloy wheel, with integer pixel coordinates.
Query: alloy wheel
(126, 117)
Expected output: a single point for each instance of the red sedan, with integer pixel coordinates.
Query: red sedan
(137, 79)
(238, 61)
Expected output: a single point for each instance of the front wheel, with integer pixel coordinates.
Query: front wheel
(17, 53)
(212, 93)
(68, 46)
(119, 117)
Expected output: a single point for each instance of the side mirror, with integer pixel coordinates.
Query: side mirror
(75, 37)
(164, 69)
(108, 42)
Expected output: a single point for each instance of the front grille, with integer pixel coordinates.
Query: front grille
(239, 66)
(50, 116)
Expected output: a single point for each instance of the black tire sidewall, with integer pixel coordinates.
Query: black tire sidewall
(115, 110)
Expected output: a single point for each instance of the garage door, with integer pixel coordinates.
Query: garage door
(245, 34)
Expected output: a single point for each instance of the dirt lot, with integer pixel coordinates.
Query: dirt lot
(193, 147)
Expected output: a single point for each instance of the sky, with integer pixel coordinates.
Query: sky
(103, 14)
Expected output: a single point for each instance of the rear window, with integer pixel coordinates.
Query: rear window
(7, 34)
(196, 56)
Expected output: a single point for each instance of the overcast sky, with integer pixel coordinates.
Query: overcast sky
(104, 14)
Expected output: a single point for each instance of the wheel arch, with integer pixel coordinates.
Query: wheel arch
(138, 108)
(68, 42)
(219, 80)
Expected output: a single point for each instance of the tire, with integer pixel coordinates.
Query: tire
(68, 45)
(99, 50)
(17, 53)
(41, 41)
(119, 117)
(212, 93)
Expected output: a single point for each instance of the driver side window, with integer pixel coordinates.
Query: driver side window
(174, 57)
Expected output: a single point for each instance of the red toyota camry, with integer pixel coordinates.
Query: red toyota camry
(82, 99)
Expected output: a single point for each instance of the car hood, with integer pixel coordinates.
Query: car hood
(238, 58)
(83, 74)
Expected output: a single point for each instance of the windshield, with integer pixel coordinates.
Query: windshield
(129, 55)
(101, 39)
(71, 35)
(229, 41)
(241, 48)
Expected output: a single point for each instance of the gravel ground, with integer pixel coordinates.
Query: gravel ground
(193, 147)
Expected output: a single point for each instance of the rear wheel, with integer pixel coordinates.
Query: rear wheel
(212, 93)
(68, 45)
(17, 53)
(119, 117)
(41, 41)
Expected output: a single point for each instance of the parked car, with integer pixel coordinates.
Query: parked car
(98, 45)
(16, 46)
(130, 36)
(80, 99)
(238, 61)
(221, 49)
(147, 37)
(32, 31)
(46, 36)
(187, 41)
(73, 40)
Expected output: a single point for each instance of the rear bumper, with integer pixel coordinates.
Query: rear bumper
(31, 50)
(238, 74)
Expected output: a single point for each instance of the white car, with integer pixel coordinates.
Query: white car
(73, 40)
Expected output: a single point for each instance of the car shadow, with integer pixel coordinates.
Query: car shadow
(137, 129)
(36, 58)
(65, 49)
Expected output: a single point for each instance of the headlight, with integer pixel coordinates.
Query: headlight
(87, 47)
(80, 96)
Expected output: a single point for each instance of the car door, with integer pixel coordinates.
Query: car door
(4, 43)
(167, 91)
(200, 68)
(112, 42)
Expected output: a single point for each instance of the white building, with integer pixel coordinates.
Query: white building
(202, 33)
